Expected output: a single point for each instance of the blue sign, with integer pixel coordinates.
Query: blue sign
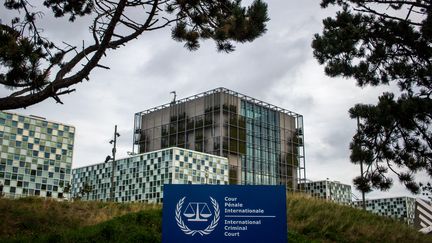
(228, 213)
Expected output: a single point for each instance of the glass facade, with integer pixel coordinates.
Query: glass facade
(329, 190)
(263, 143)
(141, 177)
(35, 156)
(401, 208)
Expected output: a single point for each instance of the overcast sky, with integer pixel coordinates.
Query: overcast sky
(278, 68)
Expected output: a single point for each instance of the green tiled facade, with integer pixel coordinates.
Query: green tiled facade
(141, 177)
(401, 208)
(35, 156)
(329, 190)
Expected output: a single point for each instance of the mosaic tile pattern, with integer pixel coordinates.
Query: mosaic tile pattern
(141, 177)
(402, 208)
(35, 156)
(329, 190)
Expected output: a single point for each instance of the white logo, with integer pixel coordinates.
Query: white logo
(197, 212)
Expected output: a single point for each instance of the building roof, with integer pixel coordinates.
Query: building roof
(152, 152)
(34, 117)
(221, 90)
(328, 181)
(384, 198)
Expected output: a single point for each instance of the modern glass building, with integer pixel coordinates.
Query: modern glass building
(328, 190)
(35, 156)
(141, 177)
(263, 143)
(402, 208)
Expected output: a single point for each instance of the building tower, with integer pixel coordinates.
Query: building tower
(263, 143)
(35, 156)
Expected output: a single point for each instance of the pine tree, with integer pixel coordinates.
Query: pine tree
(384, 43)
(36, 68)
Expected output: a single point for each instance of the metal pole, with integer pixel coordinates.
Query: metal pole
(112, 189)
(361, 170)
(134, 133)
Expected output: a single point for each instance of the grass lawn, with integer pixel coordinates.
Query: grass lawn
(309, 220)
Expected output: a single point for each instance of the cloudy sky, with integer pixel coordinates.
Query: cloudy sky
(278, 68)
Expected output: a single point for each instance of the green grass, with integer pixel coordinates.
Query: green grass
(309, 220)
(329, 222)
(143, 226)
(35, 216)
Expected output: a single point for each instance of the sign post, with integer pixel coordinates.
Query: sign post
(224, 213)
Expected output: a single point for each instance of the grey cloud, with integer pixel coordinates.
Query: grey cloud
(277, 68)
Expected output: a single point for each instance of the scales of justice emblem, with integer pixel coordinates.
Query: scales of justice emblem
(197, 212)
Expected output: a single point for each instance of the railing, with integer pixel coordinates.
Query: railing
(222, 90)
